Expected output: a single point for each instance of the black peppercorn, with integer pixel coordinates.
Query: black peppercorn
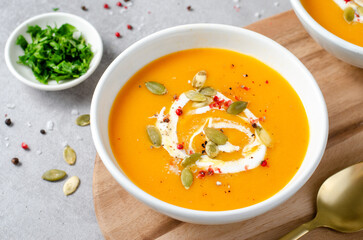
(8, 121)
(15, 161)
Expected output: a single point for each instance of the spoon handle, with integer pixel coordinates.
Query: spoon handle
(301, 230)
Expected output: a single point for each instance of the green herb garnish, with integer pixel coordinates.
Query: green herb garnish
(54, 53)
(55, 9)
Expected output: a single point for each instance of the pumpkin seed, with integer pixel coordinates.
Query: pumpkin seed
(202, 104)
(237, 107)
(83, 120)
(211, 149)
(154, 135)
(156, 88)
(349, 14)
(208, 91)
(195, 96)
(191, 159)
(54, 175)
(360, 10)
(199, 79)
(264, 136)
(216, 136)
(69, 155)
(71, 185)
(187, 178)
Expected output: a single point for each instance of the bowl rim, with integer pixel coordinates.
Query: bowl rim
(173, 210)
(71, 83)
(298, 7)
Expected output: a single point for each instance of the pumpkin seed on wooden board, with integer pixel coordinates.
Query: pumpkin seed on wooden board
(211, 149)
(348, 14)
(202, 104)
(83, 120)
(195, 96)
(154, 135)
(237, 107)
(156, 88)
(264, 136)
(69, 155)
(208, 91)
(54, 175)
(199, 79)
(191, 159)
(187, 178)
(71, 185)
(216, 136)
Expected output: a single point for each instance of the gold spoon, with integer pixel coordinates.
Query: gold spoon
(339, 204)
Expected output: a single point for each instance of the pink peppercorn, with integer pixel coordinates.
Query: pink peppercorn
(117, 34)
(179, 112)
(180, 146)
(129, 27)
(264, 163)
(119, 4)
(106, 6)
(24, 145)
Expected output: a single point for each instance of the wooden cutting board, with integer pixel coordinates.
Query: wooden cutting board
(121, 216)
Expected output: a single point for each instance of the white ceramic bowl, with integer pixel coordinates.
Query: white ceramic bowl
(24, 73)
(344, 50)
(213, 36)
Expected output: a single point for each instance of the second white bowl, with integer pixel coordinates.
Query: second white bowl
(344, 50)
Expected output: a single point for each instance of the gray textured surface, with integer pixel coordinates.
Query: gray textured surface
(31, 208)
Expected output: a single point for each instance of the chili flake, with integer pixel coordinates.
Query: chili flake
(189, 8)
(266, 81)
(129, 27)
(210, 171)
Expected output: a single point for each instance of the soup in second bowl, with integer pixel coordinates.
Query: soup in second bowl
(343, 18)
(208, 129)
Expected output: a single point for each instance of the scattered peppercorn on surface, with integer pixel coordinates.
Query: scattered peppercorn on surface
(330, 16)
(238, 77)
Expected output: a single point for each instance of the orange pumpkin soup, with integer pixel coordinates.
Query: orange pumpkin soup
(208, 129)
(343, 18)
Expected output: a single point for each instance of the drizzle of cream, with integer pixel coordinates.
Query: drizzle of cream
(252, 154)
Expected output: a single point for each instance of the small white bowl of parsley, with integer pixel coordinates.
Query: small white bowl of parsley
(53, 51)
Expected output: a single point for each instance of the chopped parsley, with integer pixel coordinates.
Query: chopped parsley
(55, 54)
